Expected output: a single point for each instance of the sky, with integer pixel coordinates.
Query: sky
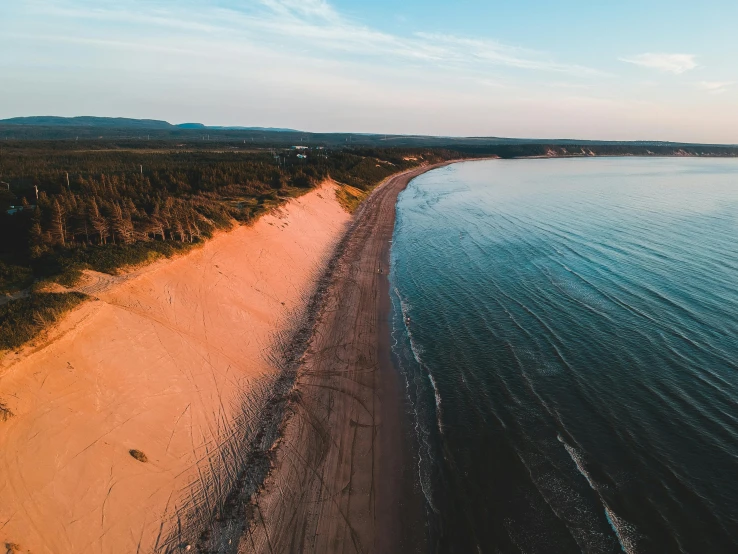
(597, 69)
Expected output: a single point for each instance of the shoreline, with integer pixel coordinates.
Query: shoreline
(342, 477)
(200, 381)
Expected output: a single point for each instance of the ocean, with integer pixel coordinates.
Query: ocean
(567, 332)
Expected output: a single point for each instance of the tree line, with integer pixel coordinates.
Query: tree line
(78, 209)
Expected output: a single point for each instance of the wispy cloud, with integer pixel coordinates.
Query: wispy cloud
(496, 53)
(715, 87)
(106, 43)
(670, 63)
(152, 17)
(319, 9)
(310, 64)
(316, 26)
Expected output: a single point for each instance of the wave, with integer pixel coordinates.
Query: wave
(626, 533)
(437, 394)
(417, 351)
(578, 461)
(425, 448)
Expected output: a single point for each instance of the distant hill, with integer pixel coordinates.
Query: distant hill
(123, 123)
(88, 121)
(269, 129)
(125, 131)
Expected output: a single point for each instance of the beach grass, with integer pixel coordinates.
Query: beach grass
(14, 277)
(23, 319)
(350, 197)
(65, 266)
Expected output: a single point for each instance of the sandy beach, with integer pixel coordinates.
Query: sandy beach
(177, 361)
(255, 376)
(342, 479)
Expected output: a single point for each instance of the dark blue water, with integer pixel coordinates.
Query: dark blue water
(571, 353)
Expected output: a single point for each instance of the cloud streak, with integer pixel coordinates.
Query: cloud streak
(668, 63)
(495, 53)
(715, 87)
(318, 21)
(316, 26)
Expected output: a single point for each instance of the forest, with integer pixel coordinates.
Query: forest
(70, 206)
(65, 210)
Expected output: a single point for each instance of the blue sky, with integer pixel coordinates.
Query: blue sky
(613, 70)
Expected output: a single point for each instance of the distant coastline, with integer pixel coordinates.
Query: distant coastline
(103, 132)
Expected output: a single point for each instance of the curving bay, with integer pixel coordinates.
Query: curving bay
(568, 334)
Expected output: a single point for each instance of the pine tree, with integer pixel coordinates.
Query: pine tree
(120, 224)
(81, 221)
(58, 223)
(178, 229)
(97, 221)
(36, 235)
(156, 224)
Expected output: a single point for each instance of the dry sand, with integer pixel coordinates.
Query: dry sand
(342, 480)
(176, 361)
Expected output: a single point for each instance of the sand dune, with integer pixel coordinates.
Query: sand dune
(173, 362)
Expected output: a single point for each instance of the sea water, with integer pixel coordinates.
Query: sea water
(567, 331)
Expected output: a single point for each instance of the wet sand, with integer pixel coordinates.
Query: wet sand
(342, 478)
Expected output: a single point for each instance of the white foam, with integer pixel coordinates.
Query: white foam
(438, 401)
(421, 433)
(417, 351)
(405, 308)
(579, 461)
(625, 532)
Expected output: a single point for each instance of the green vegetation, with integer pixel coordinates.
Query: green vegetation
(22, 319)
(350, 197)
(76, 208)
(109, 204)
(65, 265)
(70, 206)
(14, 277)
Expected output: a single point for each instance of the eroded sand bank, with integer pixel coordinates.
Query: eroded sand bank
(172, 362)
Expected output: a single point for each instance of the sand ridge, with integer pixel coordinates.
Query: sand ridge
(175, 361)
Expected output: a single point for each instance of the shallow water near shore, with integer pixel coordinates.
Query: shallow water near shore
(568, 335)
